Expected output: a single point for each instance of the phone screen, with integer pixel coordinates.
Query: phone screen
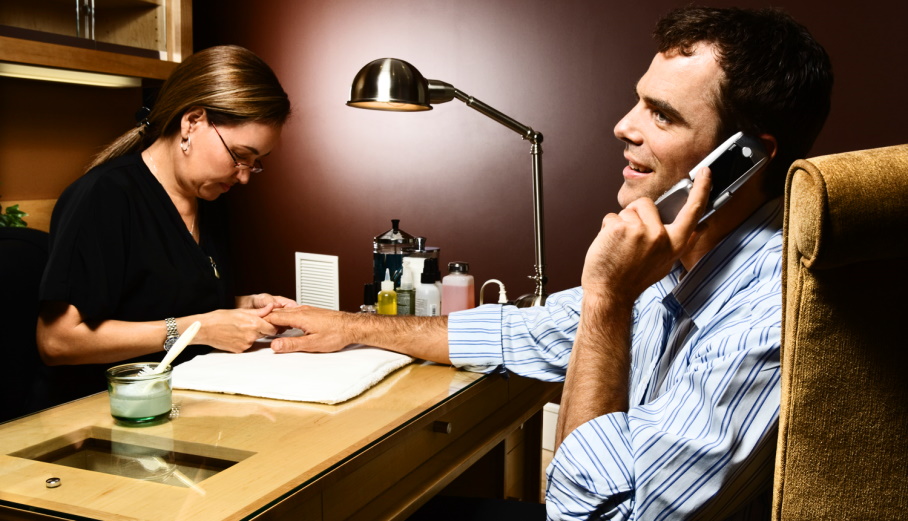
(728, 167)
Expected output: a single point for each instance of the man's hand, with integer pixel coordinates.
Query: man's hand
(325, 329)
(328, 331)
(633, 249)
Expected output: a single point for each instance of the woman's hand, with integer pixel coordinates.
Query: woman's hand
(233, 330)
(65, 338)
(260, 300)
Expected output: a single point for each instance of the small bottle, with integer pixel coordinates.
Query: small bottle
(457, 289)
(428, 299)
(432, 267)
(387, 298)
(405, 293)
(368, 299)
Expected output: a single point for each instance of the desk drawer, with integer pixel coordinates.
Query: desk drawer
(407, 461)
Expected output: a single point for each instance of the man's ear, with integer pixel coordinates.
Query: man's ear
(190, 118)
(770, 144)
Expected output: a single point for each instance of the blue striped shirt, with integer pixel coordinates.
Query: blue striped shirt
(705, 381)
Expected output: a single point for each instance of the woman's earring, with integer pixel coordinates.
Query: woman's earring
(184, 145)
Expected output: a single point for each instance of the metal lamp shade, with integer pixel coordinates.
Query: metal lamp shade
(390, 84)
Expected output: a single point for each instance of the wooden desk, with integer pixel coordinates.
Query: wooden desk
(378, 456)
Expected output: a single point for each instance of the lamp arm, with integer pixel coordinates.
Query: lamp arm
(525, 132)
(441, 92)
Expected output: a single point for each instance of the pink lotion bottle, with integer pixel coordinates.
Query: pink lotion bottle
(457, 289)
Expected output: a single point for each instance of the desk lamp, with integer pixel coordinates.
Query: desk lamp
(395, 85)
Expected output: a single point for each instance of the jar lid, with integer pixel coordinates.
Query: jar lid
(395, 235)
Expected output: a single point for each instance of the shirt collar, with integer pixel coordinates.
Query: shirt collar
(720, 270)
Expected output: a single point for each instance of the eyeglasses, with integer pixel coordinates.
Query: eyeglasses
(255, 168)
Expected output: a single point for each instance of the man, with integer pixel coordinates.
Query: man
(670, 350)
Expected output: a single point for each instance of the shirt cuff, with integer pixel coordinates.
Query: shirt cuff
(592, 471)
(474, 338)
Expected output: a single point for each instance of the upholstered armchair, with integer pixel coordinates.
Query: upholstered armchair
(843, 429)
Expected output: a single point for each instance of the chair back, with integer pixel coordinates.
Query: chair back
(23, 254)
(843, 430)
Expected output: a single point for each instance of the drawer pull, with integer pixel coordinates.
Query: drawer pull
(442, 427)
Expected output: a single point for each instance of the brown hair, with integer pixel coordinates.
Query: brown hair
(231, 83)
(778, 79)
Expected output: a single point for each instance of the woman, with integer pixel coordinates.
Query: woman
(138, 248)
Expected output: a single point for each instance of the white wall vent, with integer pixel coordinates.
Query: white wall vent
(317, 280)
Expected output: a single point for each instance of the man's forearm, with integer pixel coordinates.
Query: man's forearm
(328, 331)
(598, 372)
(420, 337)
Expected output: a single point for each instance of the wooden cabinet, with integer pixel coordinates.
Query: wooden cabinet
(140, 38)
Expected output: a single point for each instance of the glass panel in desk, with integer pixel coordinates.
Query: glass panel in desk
(221, 457)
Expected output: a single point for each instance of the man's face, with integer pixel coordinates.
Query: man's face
(674, 124)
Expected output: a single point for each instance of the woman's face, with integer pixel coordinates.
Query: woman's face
(224, 155)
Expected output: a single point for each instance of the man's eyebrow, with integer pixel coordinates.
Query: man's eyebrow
(666, 108)
(662, 106)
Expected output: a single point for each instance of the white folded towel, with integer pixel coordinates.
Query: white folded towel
(306, 377)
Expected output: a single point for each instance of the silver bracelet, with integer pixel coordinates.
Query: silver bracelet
(172, 333)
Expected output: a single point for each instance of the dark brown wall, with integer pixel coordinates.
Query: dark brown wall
(565, 68)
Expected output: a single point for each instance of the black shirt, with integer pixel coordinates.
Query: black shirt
(120, 250)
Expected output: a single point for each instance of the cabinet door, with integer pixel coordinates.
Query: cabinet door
(110, 36)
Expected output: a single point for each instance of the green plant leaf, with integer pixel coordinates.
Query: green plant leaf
(13, 217)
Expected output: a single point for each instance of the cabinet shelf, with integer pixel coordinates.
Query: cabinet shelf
(30, 52)
(139, 38)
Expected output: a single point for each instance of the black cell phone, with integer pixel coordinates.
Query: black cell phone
(732, 163)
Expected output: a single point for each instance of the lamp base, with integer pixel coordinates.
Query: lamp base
(529, 300)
